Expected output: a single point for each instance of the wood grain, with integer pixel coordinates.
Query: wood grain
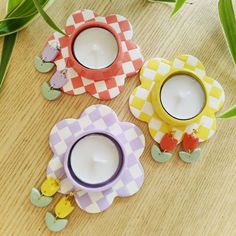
(177, 198)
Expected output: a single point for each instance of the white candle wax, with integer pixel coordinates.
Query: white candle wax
(182, 97)
(95, 159)
(95, 48)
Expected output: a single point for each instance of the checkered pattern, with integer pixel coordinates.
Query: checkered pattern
(56, 170)
(131, 63)
(157, 68)
(98, 117)
(118, 22)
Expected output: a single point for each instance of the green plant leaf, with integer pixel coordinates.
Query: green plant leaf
(12, 26)
(178, 5)
(12, 4)
(46, 17)
(228, 21)
(230, 113)
(8, 45)
(171, 1)
(25, 13)
(9, 29)
(25, 8)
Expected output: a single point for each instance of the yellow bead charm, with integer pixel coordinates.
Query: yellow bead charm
(50, 186)
(64, 207)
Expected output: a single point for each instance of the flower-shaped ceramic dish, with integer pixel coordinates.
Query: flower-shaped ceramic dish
(105, 83)
(153, 74)
(97, 118)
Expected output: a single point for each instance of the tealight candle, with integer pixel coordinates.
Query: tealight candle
(95, 48)
(182, 97)
(95, 160)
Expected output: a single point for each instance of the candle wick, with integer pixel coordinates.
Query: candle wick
(99, 160)
(184, 94)
(95, 51)
(95, 47)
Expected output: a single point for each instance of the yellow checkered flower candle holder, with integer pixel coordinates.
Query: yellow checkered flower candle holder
(178, 101)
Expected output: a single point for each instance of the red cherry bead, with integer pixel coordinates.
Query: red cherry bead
(190, 142)
(168, 142)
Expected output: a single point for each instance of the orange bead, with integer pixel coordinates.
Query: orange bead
(168, 142)
(190, 142)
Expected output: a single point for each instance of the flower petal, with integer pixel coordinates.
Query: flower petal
(105, 89)
(207, 127)
(78, 18)
(216, 95)
(56, 170)
(158, 128)
(74, 85)
(56, 167)
(95, 202)
(62, 134)
(66, 186)
(191, 63)
(129, 184)
(121, 25)
(140, 104)
(132, 58)
(132, 179)
(101, 116)
(132, 138)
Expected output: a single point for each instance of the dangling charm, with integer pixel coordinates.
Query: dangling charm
(49, 93)
(44, 197)
(58, 80)
(167, 144)
(45, 63)
(50, 186)
(50, 52)
(190, 143)
(63, 208)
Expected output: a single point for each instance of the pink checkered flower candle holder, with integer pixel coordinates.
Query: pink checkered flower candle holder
(96, 158)
(95, 56)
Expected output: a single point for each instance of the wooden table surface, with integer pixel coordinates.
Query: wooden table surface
(176, 198)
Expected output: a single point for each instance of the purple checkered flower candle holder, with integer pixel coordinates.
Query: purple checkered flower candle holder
(96, 158)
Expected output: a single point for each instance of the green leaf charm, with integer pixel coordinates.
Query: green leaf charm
(160, 156)
(190, 157)
(38, 199)
(42, 66)
(49, 93)
(54, 224)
